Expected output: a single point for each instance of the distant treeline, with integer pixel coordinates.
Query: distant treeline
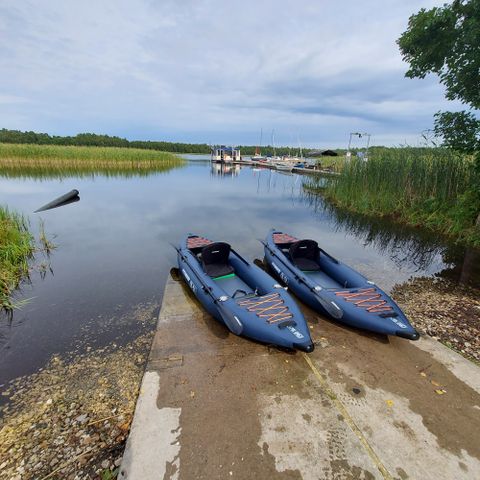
(94, 140)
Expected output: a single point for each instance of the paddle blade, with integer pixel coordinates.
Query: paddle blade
(329, 305)
(232, 322)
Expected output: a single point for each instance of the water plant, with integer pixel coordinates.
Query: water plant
(17, 250)
(17, 247)
(46, 243)
(59, 161)
(431, 187)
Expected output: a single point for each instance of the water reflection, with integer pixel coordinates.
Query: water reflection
(224, 170)
(113, 248)
(124, 170)
(405, 245)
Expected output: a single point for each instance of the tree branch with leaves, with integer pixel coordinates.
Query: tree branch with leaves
(446, 41)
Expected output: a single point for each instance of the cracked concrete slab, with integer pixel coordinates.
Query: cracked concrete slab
(216, 406)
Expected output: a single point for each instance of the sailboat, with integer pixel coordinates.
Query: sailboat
(258, 157)
(275, 157)
(294, 158)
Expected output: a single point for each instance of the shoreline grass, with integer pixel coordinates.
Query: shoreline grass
(431, 188)
(28, 159)
(17, 247)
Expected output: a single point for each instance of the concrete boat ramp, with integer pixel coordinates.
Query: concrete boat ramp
(216, 406)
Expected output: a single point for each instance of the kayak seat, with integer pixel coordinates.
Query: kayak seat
(304, 255)
(215, 259)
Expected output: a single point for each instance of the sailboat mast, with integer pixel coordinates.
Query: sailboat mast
(258, 149)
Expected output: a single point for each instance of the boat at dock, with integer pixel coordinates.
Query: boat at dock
(258, 157)
(224, 154)
(241, 295)
(333, 288)
(283, 166)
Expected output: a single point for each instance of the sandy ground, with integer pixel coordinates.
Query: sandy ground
(70, 419)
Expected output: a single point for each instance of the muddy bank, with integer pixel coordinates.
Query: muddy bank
(70, 420)
(444, 310)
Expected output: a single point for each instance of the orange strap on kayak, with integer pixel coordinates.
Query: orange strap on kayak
(195, 242)
(280, 238)
(271, 307)
(367, 298)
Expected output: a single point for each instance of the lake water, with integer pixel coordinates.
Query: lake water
(113, 250)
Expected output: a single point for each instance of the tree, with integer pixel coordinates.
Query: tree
(446, 41)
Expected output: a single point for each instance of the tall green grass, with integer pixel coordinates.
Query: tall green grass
(17, 247)
(53, 160)
(435, 188)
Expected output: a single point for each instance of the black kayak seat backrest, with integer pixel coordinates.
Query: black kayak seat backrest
(215, 259)
(304, 255)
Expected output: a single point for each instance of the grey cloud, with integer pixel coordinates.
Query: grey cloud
(211, 70)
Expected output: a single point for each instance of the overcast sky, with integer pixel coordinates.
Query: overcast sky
(213, 70)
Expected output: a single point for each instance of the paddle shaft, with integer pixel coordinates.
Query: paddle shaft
(233, 324)
(205, 287)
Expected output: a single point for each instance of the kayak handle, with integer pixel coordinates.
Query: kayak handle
(287, 323)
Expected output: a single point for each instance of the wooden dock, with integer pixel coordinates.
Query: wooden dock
(301, 171)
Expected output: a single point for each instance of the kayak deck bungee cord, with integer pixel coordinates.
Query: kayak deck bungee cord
(333, 288)
(241, 295)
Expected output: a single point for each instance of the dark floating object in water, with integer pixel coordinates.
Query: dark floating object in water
(70, 197)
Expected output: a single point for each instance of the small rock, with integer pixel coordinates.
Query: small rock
(105, 464)
(82, 418)
(118, 462)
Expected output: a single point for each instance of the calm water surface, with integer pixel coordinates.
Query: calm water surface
(113, 253)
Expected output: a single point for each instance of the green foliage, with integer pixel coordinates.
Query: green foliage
(16, 248)
(446, 41)
(93, 140)
(108, 474)
(61, 161)
(460, 130)
(433, 188)
(268, 150)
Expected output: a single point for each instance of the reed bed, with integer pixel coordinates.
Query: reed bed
(35, 160)
(17, 247)
(428, 187)
(331, 163)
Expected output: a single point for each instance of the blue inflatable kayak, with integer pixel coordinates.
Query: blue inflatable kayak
(241, 295)
(333, 288)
